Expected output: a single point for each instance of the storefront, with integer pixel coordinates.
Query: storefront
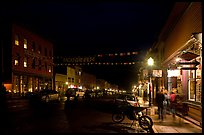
(27, 83)
(185, 74)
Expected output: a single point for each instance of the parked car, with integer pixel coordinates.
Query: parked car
(72, 93)
(89, 94)
(123, 98)
(80, 93)
(99, 93)
(46, 95)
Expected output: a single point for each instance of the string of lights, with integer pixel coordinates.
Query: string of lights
(121, 54)
(100, 59)
(99, 63)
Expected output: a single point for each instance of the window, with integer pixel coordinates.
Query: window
(16, 39)
(33, 63)
(33, 46)
(16, 62)
(39, 51)
(194, 86)
(72, 79)
(25, 62)
(39, 67)
(17, 59)
(25, 43)
(69, 79)
(49, 69)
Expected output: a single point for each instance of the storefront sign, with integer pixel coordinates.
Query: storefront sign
(79, 59)
(173, 73)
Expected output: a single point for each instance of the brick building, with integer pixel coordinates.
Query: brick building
(27, 60)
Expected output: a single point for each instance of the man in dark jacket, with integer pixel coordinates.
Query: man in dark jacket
(159, 100)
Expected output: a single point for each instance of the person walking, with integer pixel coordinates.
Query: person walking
(173, 102)
(165, 102)
(159, 101)
(67, 102)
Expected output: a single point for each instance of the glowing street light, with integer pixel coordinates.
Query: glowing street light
(150, 62)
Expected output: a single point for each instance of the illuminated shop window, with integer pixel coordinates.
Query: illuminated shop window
(194, 86)
(25, 62)
(16, 62)
(16, 39)
(25, 43)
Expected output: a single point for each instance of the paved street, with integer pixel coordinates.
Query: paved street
(84, 117)
(53, 118)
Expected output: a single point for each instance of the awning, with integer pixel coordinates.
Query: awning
(188, 56)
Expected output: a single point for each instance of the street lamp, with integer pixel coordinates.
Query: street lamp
(150, 63)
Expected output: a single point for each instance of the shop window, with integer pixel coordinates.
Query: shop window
(198, 83)
(16, 83)
(30, 84)
(194, 86)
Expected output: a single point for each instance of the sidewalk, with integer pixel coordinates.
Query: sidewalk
(174, 125)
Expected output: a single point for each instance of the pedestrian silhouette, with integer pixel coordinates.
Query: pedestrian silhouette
(173, 102)
(159, 101)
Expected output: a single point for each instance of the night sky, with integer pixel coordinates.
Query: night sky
(91, 28)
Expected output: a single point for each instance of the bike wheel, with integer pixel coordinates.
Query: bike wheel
(145, 122)
(118, 117)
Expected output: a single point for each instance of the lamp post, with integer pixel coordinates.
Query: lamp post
(150, 63)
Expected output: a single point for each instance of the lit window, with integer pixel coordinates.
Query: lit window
(25, 62)
(33, 46)
(16, 62)
(16, 40)
(49, 69)
(39, 51)
(25, 43)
